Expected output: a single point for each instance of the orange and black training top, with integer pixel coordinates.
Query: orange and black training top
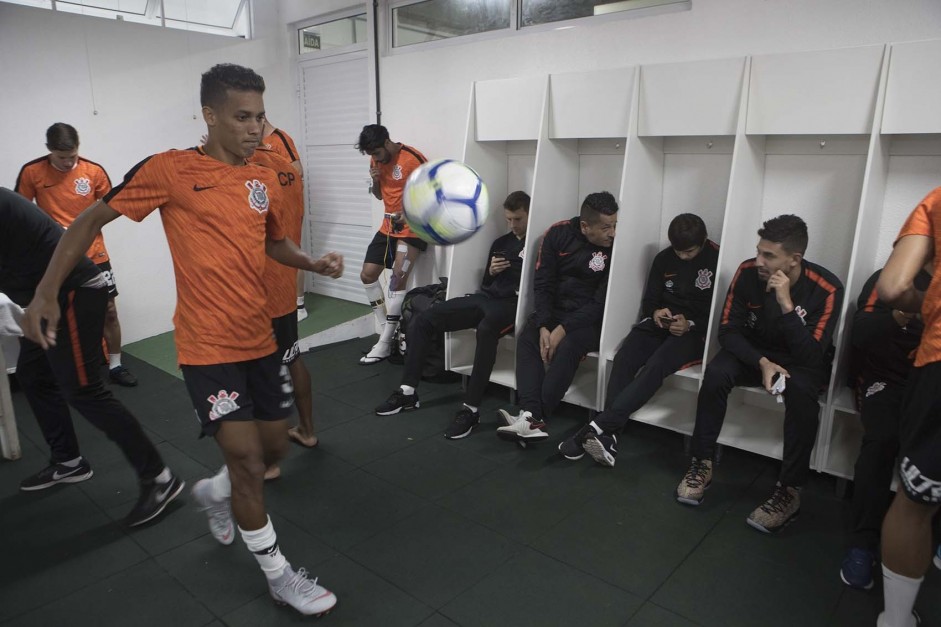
(64, 195)
(281, 280)
(752, 325)
(217, 218)
(926, 220)
(281, 143)
(392, 177)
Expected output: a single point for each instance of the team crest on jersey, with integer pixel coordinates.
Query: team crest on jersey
(257, 195)
(669, 286)
(596, 264)
(222, 403)
(801, 312)
(704, 280)
(751, 320)
(82, 186)
(397, 172)
(875, 388)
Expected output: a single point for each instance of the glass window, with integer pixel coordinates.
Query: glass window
(335, 34)
(121, 6)
(546, 11)
(442, 19)
(218, 13)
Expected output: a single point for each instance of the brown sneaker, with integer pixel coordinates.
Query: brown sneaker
(694, 484)
(778, 511)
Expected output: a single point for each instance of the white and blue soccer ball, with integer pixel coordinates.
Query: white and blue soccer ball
(445, 202)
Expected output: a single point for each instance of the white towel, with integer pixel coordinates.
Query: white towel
(11, 316)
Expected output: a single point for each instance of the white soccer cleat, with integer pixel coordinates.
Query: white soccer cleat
(219, 513)
(305, 596)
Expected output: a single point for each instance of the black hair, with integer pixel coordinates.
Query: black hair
(61, 136)
(686, 231)
(224, 76)
(598, 204)
(371, 137)
(787, 230)
(516, 201)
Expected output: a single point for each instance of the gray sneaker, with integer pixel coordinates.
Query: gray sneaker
(218, 512)
(305, 596)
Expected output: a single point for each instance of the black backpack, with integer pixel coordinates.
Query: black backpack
(416, 301)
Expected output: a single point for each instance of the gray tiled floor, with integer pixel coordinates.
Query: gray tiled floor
(411, 529)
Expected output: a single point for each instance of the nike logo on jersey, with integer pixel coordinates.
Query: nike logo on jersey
(750, 306)
(564, 254)
(197, 188)
(48, 186)
(667, 275)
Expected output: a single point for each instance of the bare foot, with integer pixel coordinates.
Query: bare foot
(272, 472)
(310, 441)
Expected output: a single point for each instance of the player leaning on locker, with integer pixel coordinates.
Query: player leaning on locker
(394, 246)
(64, 184)
(221, 215)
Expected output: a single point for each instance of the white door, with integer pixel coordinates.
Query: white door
(334, 93)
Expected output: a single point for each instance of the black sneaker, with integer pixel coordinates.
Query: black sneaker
(154, 498)
(57, 473)
(602, 448)
(122, 376)
(464, 422)
(399, 401)
(571, 448)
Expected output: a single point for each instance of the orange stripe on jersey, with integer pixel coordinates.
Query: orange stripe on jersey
(281, 143)
(871, 301)
(728, 299)
(72, 323)
(217, 218)
(828, 306)
(539, 252)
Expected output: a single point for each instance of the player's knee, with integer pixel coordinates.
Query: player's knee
(368, 277)
(246, 469)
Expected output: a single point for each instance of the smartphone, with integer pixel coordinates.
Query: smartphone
(499, 254)
(777, 383)
(666, 321)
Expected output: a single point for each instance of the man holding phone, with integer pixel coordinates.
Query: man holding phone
(492, 311)
(670, 336)
(778, 319)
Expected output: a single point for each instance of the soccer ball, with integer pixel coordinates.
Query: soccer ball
(445, 202)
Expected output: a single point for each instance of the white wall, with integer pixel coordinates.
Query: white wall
(144, 84)
(424, 93)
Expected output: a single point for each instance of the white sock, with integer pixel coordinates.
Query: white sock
(114, 360)
(263, 543)
(900, 593)
(300, 301)
(376, 301)
(221, 486)
(164, 476)
(471, 407)
(72, 463)
(598, 430)
(407, 390)
(393, 314)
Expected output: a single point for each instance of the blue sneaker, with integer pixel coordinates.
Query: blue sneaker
(856, 571)
(937, 558)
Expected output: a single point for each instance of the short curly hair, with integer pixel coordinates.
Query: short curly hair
(685, 231)
(788, 230)
(598, 204)
(224, 76)
(371, 137)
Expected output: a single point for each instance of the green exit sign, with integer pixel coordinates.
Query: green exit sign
(311, 41)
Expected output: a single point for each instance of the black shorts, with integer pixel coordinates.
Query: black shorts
(258, 389)
(381, 250)
(920, 435)
(105, 267)
(285, 334)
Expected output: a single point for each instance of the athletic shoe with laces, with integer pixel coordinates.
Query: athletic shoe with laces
(57, 473)
(856, 570)
(507, 418)
(937, 558)
(602, 448)
(398, 401)
(781, 509)
(298, 591)
(122, 376)
(301, 313)
(154, 498)
(572, 447)
(527, 429)
(219, 513)
(464, 422)
(695, 482)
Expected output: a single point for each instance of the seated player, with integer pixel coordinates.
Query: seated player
(671, 335)
(67, 372)
(394, 246)
(570, 287)
(884, 341)
(777, 321)
(491, 311)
